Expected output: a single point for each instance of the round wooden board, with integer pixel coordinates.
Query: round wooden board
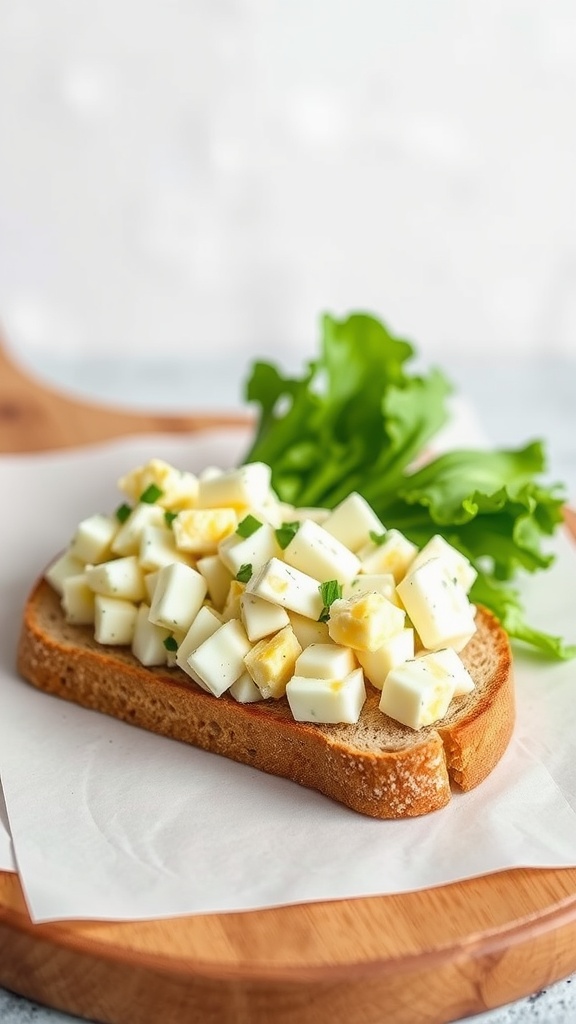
(416, 958)
(432, 956)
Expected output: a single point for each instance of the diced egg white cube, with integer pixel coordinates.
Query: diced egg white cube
(283, 584)
(271, 662)
(352, 522)
(158, 548)
(204, 625)
(417, 693)
(245, 487)
(114, 620)
(127, 540)
(244, 690)
(78, 600)
(200, 530)
(232, 608)
(365, 622)
(219, 660)
(148, 640)
(292, 514)
(178, 596)
(121, 577)
(218, 578)
(379, 583)
(210, 472)
(327, 700)
(261, 618)
(255, 550)
(448, 660)
(92, 541)
(457, 563)
(437, 606)
(377, 664)
(65, 565)
(325, 661)
(269, 512)
(315, 551)
(394, 554)
(150, 581)
(184, 493)
(309, 631)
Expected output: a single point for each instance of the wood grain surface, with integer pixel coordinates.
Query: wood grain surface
(34, 417)
(417, 958)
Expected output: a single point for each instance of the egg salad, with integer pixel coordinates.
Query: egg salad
(212, 575)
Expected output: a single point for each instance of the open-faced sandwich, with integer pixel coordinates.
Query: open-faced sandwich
(319, 645)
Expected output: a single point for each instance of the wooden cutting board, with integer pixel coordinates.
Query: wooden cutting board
(417, 958)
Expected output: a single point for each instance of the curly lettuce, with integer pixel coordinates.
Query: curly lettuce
(360, 418)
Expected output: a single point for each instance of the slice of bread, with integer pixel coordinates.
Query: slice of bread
(377, 767)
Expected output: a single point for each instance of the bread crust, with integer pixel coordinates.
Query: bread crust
(377, 767)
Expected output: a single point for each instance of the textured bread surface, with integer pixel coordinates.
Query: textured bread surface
(377, 767)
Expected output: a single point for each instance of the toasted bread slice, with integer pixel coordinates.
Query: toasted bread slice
(377, 767)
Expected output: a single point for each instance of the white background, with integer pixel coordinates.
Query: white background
(184, 182)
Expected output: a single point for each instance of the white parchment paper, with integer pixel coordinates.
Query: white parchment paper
(7, 861)
(109, 821)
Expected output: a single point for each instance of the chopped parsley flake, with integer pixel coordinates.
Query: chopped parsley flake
(151, 494)
(286, 532)
(377, 538)
(244, 573)
(247, 526)
(170, 517)
(122, 512)
(330, 591)
(170, 643)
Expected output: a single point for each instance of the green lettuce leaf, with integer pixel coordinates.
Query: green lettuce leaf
(357, 406)
(506, 604)
(360, 418)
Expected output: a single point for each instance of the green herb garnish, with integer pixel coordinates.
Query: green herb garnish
(169, 517)
(359, 418)
(170, 643)
(286, 532)
(247, 526)
(329, 592)
(377, 538)
(244, 573)
(151, 494)
(122, 512)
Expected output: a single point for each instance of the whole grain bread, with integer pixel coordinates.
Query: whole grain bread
(377, 767)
